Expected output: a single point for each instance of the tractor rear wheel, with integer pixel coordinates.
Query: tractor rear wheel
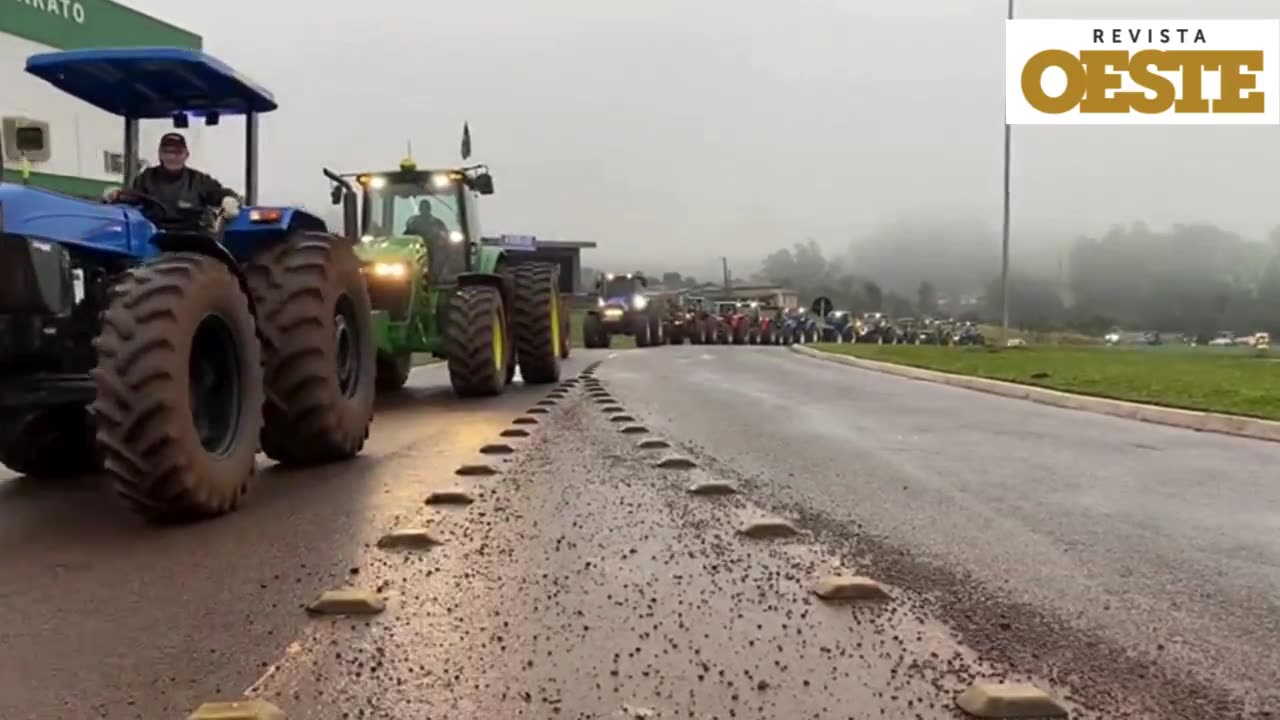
(53, 443)
(318, 349)
(179, 388)
(592, 331)
(535, 322)
(393, 371)
(476, 341)
(641, 325)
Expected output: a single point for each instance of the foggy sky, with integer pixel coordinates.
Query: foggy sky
(682, 130)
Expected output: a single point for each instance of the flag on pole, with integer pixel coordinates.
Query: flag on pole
(466, 141)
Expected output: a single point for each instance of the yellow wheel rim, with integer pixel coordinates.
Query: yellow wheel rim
(499, 357)
(555, 321)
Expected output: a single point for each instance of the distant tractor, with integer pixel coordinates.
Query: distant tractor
(624, 308)
(438, 290)
(686, 320)
(734, 323)
(169, 354)
(838, 327)
(798, 327)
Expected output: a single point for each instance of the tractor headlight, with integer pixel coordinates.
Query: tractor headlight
(394, 271)
(639, 302)
(377, 182)
(366, 238)
(456, 237)
(441, 180)
(599, 302)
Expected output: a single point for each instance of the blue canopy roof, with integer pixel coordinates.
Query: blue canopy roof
(151, 82)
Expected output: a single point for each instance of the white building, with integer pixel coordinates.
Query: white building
(85, 145)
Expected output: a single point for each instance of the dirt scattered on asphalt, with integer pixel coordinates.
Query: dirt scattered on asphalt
(587, 582)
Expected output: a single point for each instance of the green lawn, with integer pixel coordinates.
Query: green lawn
(1239, 384)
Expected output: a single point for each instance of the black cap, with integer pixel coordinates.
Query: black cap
(173, 141)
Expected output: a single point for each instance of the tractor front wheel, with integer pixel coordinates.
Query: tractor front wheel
(179, 388)
(53, 443)
(535, 322)
(476, 341)
(393, 371)
(641, 325)
(319, 350)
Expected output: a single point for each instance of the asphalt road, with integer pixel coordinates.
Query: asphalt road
(1138, 565)
(1130, 569)
(104, 616)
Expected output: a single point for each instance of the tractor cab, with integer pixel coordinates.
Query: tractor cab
(431, 211)
(622, 292)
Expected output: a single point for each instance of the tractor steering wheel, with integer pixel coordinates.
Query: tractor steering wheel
(132, 197)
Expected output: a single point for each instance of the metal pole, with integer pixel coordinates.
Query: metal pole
(1004, 241)
(131, 163)
(724, 262)
(251, 159)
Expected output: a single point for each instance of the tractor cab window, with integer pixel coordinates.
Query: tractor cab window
(418, 208)
(621, 287)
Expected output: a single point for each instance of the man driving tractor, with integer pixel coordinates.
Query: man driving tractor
(180, 191)
(425, 224)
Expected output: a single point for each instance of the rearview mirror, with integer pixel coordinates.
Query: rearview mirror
(335, 194)
(483, 184)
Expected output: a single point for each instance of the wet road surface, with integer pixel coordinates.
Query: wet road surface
(1129, 569)
(104, 616)
(1137, 564)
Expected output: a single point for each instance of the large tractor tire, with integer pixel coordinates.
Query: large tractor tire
(657, 331)
(739, 335)
(566, 332)
(592, 331)
(476, 342)
(393, 371)
(51, 444)
(179, 380)
(318, 349)
(641, 331)
(535, 322)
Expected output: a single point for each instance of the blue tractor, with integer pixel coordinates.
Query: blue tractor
(798, 327)
(169, 357)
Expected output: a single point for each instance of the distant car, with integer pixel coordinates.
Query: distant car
(1262, 341)
(1112, 338)
(1016, 342)
(1223, 340)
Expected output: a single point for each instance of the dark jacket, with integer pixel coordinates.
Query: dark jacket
(185, 195)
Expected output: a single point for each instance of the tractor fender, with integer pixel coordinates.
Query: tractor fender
(245, 237)
(205, 245)
(494, 280)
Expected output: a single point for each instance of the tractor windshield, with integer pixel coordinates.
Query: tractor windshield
(417, 207)
(621, 287)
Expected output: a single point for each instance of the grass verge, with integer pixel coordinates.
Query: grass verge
(1231, 384)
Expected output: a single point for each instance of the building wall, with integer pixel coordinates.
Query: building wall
(78, 133)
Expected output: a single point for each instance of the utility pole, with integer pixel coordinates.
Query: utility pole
(1004, 242)
(724, 262)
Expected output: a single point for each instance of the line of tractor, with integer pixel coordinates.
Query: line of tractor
(624, 306)
(169, 357)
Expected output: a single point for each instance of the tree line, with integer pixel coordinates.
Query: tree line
(1196, 279)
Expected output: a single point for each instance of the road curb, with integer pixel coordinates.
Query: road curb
(1189, 419)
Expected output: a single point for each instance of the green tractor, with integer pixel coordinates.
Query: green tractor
(437, 289)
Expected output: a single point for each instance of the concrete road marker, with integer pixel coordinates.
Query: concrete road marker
(1009, 700)
(612, 408)
(347, 602)
(450, 496)
(653, 444)
(514, 432)
(712, 487)
(537, 411)
(675, 462)
(621, 418)
(769, 527)
(525, 421)
(497, 449)
(849, 587)
(545, 403)
(408, 539)
(255, 709)
(471, 470)
(634, 429)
